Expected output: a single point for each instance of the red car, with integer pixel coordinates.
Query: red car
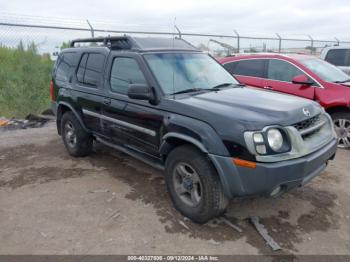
(300, 75)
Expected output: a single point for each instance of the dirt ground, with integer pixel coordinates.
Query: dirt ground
(109, 203)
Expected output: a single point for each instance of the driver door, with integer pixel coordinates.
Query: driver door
(279, 77)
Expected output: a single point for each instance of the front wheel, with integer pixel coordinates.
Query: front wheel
(194, 185)
(341, 122)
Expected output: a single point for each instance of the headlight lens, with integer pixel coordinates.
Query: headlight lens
(275, 139)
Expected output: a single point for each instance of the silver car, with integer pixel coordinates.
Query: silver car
(338, 56)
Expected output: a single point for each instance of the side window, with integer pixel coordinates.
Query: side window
(282, 71)
(347, 59)
(230, 66)
(81, 68)
(90, 69)
(125, 71)
(253, 67)
(336, 57)
(64, 64)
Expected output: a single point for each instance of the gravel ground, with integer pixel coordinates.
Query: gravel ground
(109, 203)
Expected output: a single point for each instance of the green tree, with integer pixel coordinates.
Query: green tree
(64, 45)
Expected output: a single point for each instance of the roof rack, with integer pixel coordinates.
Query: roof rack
(127, 42)
(113, 42)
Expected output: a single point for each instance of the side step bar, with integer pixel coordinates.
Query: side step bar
(139, 156)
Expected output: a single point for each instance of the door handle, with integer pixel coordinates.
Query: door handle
(107, 101)
(268, 87)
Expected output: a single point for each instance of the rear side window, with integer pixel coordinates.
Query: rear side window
(90, 69)
(64, 64)
(253, 67)
(338, 57)
(125, 71)
(81, 68)
(282, 71)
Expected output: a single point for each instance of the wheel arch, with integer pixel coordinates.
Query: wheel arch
(63, 108)
(173, 140)
(338, 109)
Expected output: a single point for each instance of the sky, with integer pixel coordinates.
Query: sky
(297, 18)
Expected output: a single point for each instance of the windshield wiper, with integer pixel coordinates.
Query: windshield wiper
(340, 82)
(222, 85)
(215, 88)
(190, 90)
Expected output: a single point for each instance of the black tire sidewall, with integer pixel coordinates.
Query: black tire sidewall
(211, 186)
(84, 140)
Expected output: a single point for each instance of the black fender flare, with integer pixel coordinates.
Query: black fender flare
(77, 115)
(165, 147)
(191, 140)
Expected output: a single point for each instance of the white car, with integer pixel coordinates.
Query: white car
(338, 56)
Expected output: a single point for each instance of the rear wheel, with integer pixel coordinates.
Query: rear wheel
(194, 185)
(76, 140)
(341, 122)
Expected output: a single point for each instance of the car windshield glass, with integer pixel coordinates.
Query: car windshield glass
(325, 70)
(176, 72)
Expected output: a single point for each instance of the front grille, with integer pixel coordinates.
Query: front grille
(310, 127)
(307, 123)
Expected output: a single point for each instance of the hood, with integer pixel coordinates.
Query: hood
(345, 69)
(347, 84)
(250, 108)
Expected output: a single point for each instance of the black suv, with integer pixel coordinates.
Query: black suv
(177, 109)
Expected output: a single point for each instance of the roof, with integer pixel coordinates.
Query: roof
(266, 55)
(143, 44)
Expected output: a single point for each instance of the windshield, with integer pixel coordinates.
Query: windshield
(176, 72)
(325, 71)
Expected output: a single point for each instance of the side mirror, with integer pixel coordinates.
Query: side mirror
(140, 92)
(302, 80)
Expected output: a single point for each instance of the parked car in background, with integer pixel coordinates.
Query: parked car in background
(338, 56)
(174, 107)
(300, 75)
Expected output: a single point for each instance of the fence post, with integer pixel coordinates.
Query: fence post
(279, 43)
(91, 28)
(312, 44)
(178, 30)
(338, 41)
(238, 40)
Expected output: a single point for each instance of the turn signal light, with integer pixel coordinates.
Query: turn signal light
(244, 163)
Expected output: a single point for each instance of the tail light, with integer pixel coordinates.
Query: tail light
(52, 91)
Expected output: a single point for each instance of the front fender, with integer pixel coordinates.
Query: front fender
(194, 131)
(203, 137)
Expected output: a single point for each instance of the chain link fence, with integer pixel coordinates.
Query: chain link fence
(29, 45)
(50, 34)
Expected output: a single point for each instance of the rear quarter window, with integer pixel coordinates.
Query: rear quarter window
(64, 65)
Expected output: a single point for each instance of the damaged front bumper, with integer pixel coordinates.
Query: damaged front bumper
(272, 178)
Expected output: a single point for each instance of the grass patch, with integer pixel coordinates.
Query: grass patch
(24, 81)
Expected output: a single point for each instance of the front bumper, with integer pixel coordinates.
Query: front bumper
(266, 177)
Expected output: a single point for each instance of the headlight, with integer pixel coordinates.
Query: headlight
(275, 139)
(269, 141)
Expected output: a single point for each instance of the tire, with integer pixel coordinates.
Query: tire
(76, 140)
(201, 200)
(341, 122)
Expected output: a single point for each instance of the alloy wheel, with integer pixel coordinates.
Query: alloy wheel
(70, 134)
(342, 129)
(187, 184)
